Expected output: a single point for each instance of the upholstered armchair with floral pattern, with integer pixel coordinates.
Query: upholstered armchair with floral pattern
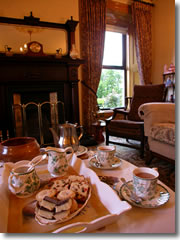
(159, 128)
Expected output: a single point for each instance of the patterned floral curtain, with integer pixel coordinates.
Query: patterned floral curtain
(141, 15)
(92, 15)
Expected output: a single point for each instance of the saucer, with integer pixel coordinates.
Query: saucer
(161, 196)
(81, 150)
(95, 163)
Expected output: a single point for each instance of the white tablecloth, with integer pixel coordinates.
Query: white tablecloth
(138, 220)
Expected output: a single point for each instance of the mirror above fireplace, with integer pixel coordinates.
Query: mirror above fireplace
(51, 35)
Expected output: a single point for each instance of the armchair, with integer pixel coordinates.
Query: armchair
(159, 129)
(132, 127)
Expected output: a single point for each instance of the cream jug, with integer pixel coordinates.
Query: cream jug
(58, 160)
(23, 180)
(65, 135)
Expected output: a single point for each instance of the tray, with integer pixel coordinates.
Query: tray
(98, 212)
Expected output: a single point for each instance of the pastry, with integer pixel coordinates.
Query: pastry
(45, 193)
(63, 199)
(64, 194)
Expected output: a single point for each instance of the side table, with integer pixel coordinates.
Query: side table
(98, 128)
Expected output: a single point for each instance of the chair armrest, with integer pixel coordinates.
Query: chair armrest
(153, 113)
(107, 120)
(117, 111)
(120, 111)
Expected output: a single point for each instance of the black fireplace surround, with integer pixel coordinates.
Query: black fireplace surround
(33, 78)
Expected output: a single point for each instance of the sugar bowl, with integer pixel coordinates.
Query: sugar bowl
(23, 180)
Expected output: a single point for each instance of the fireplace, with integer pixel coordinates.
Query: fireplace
(27, 79)
(34, 118)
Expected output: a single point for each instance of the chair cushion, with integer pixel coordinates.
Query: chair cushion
(126, 128)
(163, 132)
(124, 124)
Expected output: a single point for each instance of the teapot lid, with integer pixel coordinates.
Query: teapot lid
(67, 125)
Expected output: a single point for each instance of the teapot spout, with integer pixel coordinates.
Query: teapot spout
(55, 136)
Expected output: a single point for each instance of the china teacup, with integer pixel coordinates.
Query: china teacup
(23, 180)
(105, 155)
(145, 182)
(58, 160)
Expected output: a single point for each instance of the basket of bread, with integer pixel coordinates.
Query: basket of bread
(62, 199)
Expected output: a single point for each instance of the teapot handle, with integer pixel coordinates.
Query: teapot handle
(70, 149)
(81, 132)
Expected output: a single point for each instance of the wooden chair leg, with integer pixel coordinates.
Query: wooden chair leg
(107, 137)
(142, 149)
(149, 157)
(142, 142)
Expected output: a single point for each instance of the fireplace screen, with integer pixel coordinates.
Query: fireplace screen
(34, 119)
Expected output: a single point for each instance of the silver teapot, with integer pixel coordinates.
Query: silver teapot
(65, 135)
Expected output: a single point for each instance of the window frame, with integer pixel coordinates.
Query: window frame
(123, 67)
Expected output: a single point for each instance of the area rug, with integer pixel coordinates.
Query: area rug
(166, 169)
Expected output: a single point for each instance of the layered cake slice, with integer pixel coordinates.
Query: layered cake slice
(51, 208)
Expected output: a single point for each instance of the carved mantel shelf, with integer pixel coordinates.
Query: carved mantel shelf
(42, 62)
(43, 59)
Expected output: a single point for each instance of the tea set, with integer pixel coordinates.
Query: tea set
(105, 158)
(65, 135)
(24, 181)
(142, 191)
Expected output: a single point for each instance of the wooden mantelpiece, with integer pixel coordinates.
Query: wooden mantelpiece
(35, 75)
(27, 64)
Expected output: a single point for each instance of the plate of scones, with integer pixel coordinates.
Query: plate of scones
(62, 199)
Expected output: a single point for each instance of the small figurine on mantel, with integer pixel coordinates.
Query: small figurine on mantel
(8, 51)
(59, 53)
(171, 68)
(73, 52)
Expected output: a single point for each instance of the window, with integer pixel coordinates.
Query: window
(112, 87)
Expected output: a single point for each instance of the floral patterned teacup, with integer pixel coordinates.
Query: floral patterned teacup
(105, 155)
(145, 182)
(23, 181)
(58, 160)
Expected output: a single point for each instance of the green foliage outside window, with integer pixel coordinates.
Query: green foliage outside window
(110, 90)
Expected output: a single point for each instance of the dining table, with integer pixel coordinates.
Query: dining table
(159, 219)
(138, 219)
